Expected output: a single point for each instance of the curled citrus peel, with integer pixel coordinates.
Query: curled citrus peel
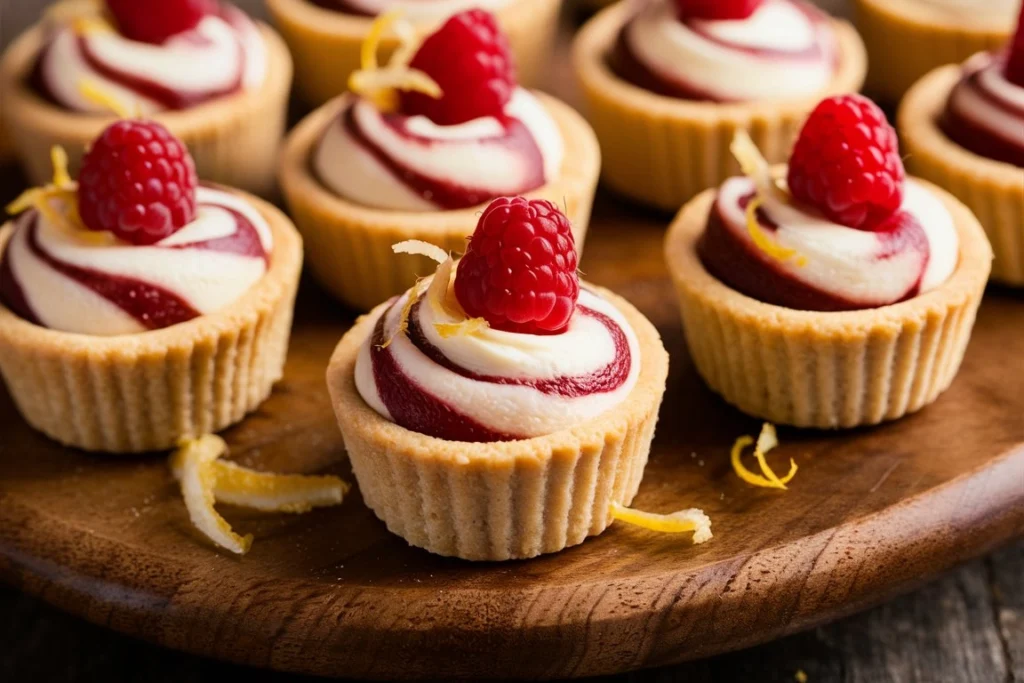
(675, 523)
(206, 480)
(96, 94)
(438, 294)
(756, 168)
(57, 202)
(766, 441)
(379, 84)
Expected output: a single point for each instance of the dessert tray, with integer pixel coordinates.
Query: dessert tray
(871, 513)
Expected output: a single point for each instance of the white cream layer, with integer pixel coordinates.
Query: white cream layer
(206, 59)
(208, 280)
(842, 260)
(461, 154)
(669, 47)
(425, 11)
(584, 348)
(973, 100)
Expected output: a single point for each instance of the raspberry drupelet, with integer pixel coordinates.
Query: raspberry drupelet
(846, 163)
(137, 181)
(468, 57)
(519, 270)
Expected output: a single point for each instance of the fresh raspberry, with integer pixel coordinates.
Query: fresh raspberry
(716, 9)
(469, 58)
(137, 181)
(519, 271)
(846, 163)
(1015, 59)
(156, 21)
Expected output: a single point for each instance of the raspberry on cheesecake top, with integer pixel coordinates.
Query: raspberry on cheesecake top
(135, 245)
(415, 10)
(727, 50)
(985, 111)
(150, 56)
(504, 345)
(844, 231)
(446, 127)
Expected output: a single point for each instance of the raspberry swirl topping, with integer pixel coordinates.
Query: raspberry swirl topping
(845, 231)
(543, 355)
(409, 163)
(418, 11)
(443, 126)
(985, 111)
(97, 284)
(222, 54)
(778, 49)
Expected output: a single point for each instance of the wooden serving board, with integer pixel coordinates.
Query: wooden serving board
(872, 512)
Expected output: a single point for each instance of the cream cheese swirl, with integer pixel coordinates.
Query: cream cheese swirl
(93, 283)
(409, 163)
(826, 266)
(784, 49)
(985, 111)
(491, 385)
(222, 55)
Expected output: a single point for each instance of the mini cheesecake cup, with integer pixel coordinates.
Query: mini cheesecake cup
(235, 140)
(326, 43)
(348, 246)
(146, 392)
(662, 150)
(505, 500)
(993, 190)
(826, 370)
(906, 39)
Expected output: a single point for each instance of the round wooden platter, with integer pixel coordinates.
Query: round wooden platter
(871, 512)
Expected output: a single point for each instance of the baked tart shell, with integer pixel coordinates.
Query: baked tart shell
(505, 500)
(349, 246)
(234, 140)
(326, 43)
(146, 392)
(992, 190)
(826, 370)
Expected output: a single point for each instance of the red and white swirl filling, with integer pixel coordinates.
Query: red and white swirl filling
(985, 111)
(417, 11)
(409, 163)
(785, 49)
(93, 283)
(490, 385)
(224, 54)
(818, 265)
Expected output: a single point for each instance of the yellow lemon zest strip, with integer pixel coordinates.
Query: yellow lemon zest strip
(466, 327)
(380, 85)
(766, 441)
(84, 26)
(764, 242)
(96, 94)
(675, 523)
(59, 160)
(192, 464)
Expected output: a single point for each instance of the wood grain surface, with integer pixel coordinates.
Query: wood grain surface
(871, 514)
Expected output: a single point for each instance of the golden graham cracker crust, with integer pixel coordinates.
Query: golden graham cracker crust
(234, 140)
(506, 500)
(992, 190)
(826, 370)
(663, 150)
(349, 246)
(326, 43)
(146, 392)
(906, 39)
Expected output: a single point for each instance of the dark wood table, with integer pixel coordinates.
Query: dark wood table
(967, 627)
